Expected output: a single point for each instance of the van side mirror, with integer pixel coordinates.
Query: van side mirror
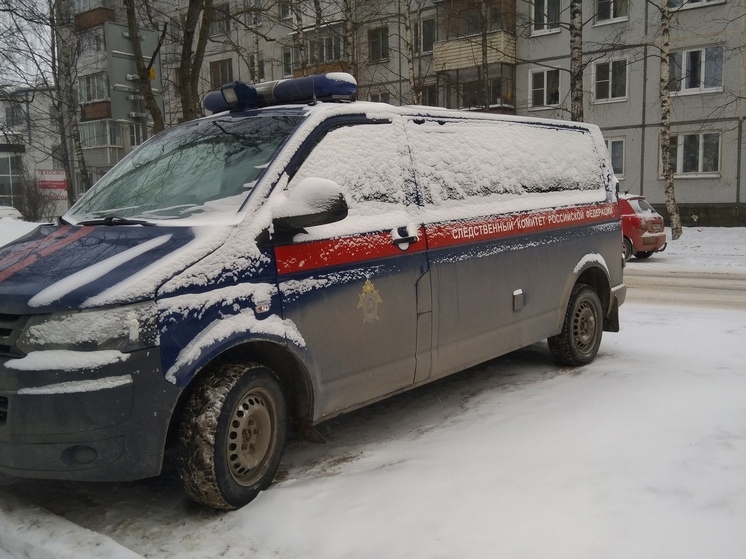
(313, 201)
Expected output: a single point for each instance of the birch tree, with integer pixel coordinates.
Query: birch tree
(665, 125)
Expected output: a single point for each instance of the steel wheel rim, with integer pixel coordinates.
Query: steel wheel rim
(584, 327)
(250, 436)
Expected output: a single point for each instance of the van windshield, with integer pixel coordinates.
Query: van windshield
(203, 168)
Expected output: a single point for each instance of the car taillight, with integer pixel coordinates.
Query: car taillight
(639, 222)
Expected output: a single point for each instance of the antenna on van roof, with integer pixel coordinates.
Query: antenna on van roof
(313, 99)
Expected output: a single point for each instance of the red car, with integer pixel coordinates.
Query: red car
(643, 228)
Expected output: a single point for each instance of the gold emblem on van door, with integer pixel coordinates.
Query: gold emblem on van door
(369, 300)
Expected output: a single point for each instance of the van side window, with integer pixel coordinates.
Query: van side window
(460, 160)
(370, 160)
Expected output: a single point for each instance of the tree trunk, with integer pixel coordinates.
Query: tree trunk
(61, 108)
(317, 54)
(576, 60)
(485, 69)
(199, 16)
(665, 99)
(143, 71)
(64, 37)
(350, 49)
(412, 49)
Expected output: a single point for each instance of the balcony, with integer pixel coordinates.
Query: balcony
(466, 52)
(92, 13)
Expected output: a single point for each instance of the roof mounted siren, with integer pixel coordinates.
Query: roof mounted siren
(237, 96)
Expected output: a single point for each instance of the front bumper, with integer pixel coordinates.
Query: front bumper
(105, 422)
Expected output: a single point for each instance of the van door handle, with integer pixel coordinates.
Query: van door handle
(405, 240)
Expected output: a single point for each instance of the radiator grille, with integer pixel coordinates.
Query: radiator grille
(10, 329)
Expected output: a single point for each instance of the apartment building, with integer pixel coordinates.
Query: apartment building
(622, 59)
(498, 55)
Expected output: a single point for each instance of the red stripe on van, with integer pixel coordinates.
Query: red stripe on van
(29, 248)
(481, 229)
(45, 251)
(347, 250)
(340, 251)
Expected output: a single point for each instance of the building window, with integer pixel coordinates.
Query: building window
(93, 88)
(221, 72)
(287, 61)
(695, 153)
(673, 4)
(382, 97)
(473, 21)
(429, 95)
(332, 48)
(136, 136)
(616, 153)
(286, 11)
(696, 70)
(221, 22)
(544, 88)
(610, 80)
(472, 94)
(499, 90)
(14, 115)
(58, 159)
(255, 15)
(609, 10)
(256, 66)
(378, 44)
(424, 35)
(99, 133)
(93, 40)
(546, 15)
(11, 178)
(328, 49)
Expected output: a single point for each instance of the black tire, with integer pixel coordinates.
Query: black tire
(231, 436)
(582, 329)
(626, 249)
(644, 254)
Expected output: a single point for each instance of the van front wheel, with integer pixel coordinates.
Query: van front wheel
(580, 338)
(231, 436)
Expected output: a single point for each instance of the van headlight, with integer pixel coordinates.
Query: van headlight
(126, 328)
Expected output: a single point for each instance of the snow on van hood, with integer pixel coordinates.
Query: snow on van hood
(66, 267)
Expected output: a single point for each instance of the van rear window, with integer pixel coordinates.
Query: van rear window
(459, 160)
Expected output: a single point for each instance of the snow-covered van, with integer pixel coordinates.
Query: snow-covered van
(287, 259)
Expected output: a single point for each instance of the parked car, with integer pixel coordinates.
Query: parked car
(278, 264)
(642, 227)
(10, 212)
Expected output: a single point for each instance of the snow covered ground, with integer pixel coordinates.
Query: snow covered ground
(640, 454)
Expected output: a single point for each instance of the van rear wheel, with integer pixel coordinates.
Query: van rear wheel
(231, 436)
(580, 338)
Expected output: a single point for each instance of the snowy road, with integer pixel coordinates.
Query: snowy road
(640, 454)
(717, 290)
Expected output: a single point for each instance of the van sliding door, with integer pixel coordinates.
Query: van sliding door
(500, 251)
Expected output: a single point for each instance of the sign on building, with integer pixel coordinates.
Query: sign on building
(53, 182)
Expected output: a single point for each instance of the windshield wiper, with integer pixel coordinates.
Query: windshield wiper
(114, 220)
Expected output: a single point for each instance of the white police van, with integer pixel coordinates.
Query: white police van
(291, 258)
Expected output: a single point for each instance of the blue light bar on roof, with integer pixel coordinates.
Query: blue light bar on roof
(335, 86)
